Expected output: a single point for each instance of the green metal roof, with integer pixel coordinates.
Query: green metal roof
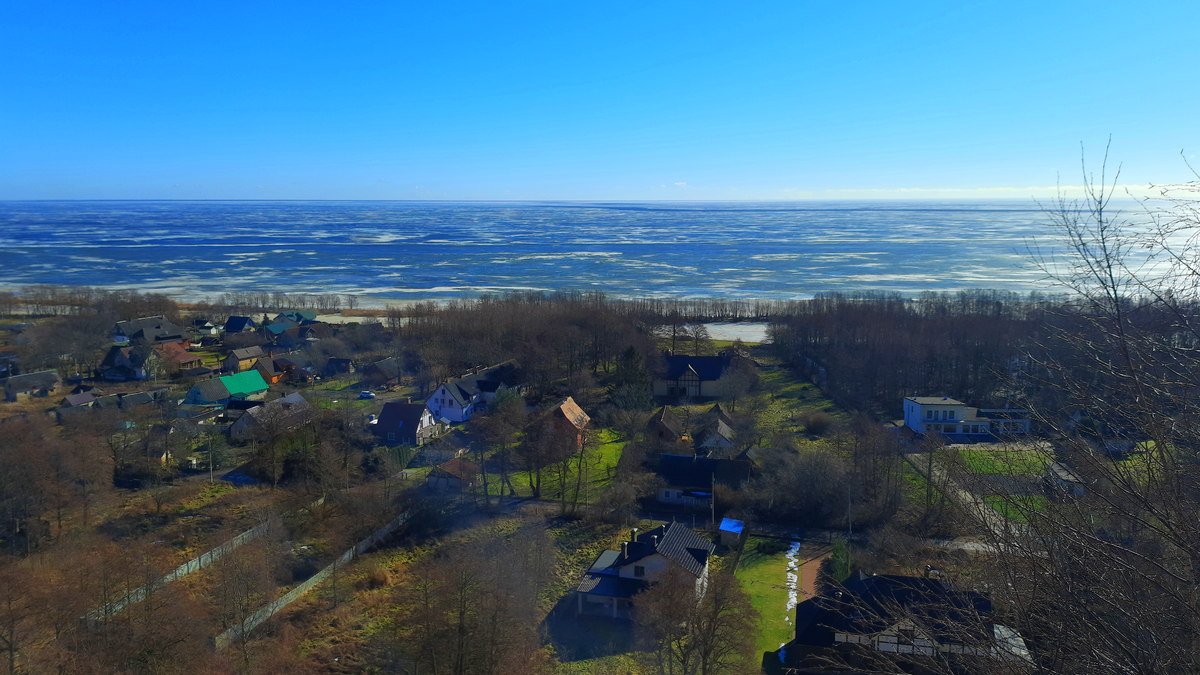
(243, 384)
(277, 328)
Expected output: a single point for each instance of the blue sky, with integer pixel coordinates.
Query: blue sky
(592, 101)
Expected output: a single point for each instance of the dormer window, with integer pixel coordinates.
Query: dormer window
(639, 571)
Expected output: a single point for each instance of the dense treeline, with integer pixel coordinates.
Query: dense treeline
(871, 349)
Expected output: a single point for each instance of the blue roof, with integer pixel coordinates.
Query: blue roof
(731, 525)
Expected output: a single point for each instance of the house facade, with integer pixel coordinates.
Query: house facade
(382, 373)
(404, 424)
(241, 360)
(138, 362)
(693, 376)
(240, 324)
(942, 414)
(892, 623)
(665, 427)
(458, 399)
(689, 480)
(615, 577)
(32, 385)
(175, 357)
(282, 414)
(570, 421)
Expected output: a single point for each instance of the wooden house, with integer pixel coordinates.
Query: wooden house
(241, 360)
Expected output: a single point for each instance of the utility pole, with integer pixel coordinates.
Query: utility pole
(849, 522)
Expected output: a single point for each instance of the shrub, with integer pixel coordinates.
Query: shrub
(816, 423)
(378, 578)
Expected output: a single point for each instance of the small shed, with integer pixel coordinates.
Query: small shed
(455, 474)
(1063, 477)
(732, 532)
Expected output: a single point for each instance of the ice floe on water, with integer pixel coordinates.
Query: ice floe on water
(742, 250)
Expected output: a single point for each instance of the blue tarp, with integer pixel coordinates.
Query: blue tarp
(731, 525)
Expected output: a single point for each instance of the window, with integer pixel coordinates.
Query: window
(639, 571)
(391, 436)
(928, 414)
(951, 413)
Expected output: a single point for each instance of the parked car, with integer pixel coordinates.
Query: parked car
(366, 394)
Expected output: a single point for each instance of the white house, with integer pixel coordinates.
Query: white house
(458, 399)
(615, 577)
(942, 414)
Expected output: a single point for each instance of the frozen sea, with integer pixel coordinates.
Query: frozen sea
(389, 251)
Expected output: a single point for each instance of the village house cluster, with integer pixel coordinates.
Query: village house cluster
(246, 378)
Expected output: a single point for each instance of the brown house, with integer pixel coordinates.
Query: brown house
(570, 420)
(175, 356)
(270, 371)
(665, 426)
(455, 474)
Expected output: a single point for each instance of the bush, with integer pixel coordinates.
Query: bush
(816, 423)
(378, 578)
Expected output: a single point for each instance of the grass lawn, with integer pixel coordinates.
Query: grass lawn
(1007, 459)
(788, 398)
(209, 359)
(602, 465)
(762, 572)
(1006, 507)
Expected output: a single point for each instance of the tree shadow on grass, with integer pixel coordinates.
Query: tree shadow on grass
(578, 638)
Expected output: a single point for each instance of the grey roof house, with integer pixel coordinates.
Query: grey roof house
(890, 623)
(404, 424)
(40, 384)
(615, 577)
(150, 330)
(689, 479)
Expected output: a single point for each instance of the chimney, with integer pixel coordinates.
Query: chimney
(624, 549)
(633, 535)
(656, 542)
(410, 400)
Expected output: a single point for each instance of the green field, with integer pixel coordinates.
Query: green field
(1007, 460)
(762, 572)
(601, 466)
(1017, 508)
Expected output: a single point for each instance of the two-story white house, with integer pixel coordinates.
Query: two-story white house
(615, 577)
(942, 414)
(456, 400)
